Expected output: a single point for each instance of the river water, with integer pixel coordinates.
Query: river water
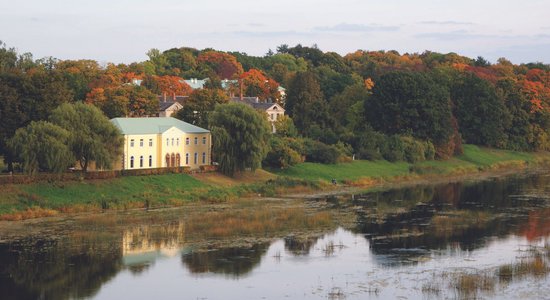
(416, 242)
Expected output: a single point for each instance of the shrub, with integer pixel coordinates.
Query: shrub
(281, 154)
(413, 150)
(320, 152)
(394, 149)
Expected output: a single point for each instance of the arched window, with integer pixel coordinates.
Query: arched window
(141, 161)
(187, 141)
(150, 161)
(167, 159)
(186, 158)
(173, 160)
(177, 141)
(196, 158)
(204, 140)
(177, 160)
(131, 162)
(196, 140)
(167, 142)
(204, 158)
(172, 141)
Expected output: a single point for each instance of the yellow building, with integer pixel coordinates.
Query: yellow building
(163, 142)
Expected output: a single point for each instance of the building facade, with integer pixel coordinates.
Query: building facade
(163, 142)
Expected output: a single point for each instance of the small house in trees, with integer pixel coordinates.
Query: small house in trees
(273, 110)
(169, 105)
(168, 108)
(163, 142)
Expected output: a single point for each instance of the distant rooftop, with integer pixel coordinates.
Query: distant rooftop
(196, 83)
(154, 125)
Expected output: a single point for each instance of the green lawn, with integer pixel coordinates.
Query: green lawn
(353, 170)
(114, 193)
(474, 158)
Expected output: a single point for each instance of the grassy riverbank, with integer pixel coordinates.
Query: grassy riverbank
(46, 199)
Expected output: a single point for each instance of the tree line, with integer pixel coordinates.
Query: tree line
(365, 104)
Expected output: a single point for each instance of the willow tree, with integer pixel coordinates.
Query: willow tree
(42, 146)
(240, 137)
(92, 136)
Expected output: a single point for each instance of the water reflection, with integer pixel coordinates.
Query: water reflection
(228, 261)
(402, 233)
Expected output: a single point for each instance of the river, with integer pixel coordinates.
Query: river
(486, 239)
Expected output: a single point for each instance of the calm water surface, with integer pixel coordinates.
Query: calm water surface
(407, 243)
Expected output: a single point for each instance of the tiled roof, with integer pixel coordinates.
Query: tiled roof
(154, 125)
(165, 105)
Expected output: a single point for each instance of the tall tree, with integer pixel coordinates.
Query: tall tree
(225, 65)
(481, 115)
(92, 136)
(257, 84)
(410, 103)
(42, 146)
(199, 105)
(240, 137)
(306, 104)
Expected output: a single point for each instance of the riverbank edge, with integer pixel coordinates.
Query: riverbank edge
(283, 186)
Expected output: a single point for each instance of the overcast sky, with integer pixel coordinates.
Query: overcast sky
(124, 30)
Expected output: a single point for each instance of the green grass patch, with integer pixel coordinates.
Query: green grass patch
(486, 157)
(350, 171)
(474, 159)
(114, 193)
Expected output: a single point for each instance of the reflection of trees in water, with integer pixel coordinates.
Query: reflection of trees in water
(449, 216)
(56, 269)
(230, 261)
(300, 245)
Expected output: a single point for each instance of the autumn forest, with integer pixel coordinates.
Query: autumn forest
(366, 104)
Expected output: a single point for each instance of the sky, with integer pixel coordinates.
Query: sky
(122, 31)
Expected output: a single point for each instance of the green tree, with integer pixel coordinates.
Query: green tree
(306, 104)
(199, 105)
(240, 137)
(42, 146)
(410, 103)
(482, 116)
(92, 136)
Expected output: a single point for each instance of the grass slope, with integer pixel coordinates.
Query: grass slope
(473, 159)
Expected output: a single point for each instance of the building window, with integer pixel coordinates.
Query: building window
(167, 159)
(167, 142)
(177, 141)
(177, 160)
(272, 116)
(173, 160)
(196, 140)
(141, 161)
(150, 142)
(150, 161)
(187, 141)
(204, 140)
(141, 142)
(131, 162)
(204, 158)
(132, 143)
(196, 158)
(186, 158)
(172, 141)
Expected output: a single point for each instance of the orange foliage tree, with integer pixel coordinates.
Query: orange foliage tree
(224, 65)
(257, 84)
